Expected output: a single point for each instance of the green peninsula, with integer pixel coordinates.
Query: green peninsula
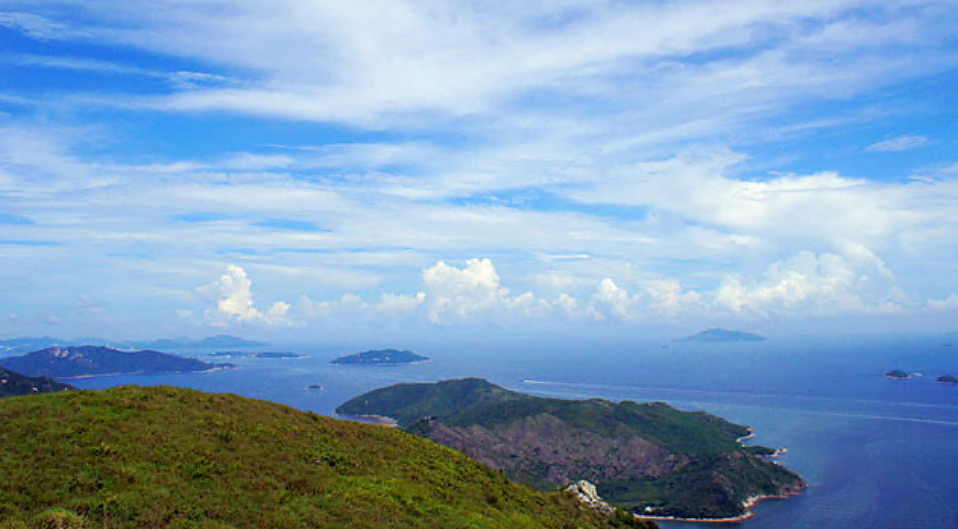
(172, 458)
(383, 357)
(648, 458)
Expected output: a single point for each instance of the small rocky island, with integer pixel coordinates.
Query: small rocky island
(723, 336)
(897, 374)
(92, 360)
(947, 379)
(383, 357)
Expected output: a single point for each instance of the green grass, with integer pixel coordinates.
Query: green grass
(166, 457)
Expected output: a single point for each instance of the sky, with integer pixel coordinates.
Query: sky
(304, 168)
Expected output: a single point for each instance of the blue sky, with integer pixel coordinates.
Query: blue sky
(291, 168)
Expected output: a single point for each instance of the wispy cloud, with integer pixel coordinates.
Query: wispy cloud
(899, 144)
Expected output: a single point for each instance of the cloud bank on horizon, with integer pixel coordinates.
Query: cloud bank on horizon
(439, 164)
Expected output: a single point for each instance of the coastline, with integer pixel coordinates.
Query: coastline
(379, 420)
(80, 377)
(747, 505)
(374, 364)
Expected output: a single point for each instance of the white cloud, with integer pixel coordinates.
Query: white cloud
(610, 300)
(899, 144)
(233, 301)
(811, 284)
(947, 304)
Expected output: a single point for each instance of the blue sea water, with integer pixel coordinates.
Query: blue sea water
(877, 453)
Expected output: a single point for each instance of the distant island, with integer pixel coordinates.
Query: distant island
(222, 341)
(91, 360)
(947, 379)
(897, 374)
(722, 336)
(650, 459)
(384, 357)
(13, 384)
(265, 354)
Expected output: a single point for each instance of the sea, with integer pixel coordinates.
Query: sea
(878, 453)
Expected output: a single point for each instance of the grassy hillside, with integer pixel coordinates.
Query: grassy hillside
(163, 457)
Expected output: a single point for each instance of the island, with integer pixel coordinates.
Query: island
(92, 360)
(134, 457)
(13, 384)
(648, 458)
(947, 379)
(383, 357)
(723, 336)
(265, 354)
(897, 374)
(222, 341)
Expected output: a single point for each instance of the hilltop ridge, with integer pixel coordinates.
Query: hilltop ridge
(163, 457)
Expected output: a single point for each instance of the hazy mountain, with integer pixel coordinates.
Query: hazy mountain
(91, 360)
(723, 335)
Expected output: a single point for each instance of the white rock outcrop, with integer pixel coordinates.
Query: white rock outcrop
(587, 494)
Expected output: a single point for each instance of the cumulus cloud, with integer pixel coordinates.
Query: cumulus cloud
(814, 284)
(805, 284)
(611, 300)
(899, 144)
(232, 297)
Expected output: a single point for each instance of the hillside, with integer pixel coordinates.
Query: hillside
(91, 360)
(12, 384)
(676, 463)
(163, 457)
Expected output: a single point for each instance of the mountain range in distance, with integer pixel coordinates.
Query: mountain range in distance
(92, 360)
(723, 336)
(648, 458)
(221, 341)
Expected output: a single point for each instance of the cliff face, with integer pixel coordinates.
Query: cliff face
(650, 458)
